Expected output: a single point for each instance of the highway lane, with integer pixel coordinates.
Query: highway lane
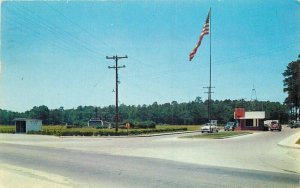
(258, 151)
(90, 169)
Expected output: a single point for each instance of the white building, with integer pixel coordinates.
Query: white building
(253, 120)
(23, 125)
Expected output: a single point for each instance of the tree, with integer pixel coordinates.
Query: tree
(291, 84)
(41, 112)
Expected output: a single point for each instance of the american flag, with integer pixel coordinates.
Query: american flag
(205, 31)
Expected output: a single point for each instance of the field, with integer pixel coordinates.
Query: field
(60, 130)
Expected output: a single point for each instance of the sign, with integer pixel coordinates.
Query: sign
(239, 113)
(127, 125)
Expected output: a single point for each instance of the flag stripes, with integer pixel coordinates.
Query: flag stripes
(205, 31)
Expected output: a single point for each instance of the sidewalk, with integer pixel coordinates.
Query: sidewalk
(290, 142)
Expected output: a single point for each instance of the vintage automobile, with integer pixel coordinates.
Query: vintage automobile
(295, 124)
(275, 126)
(209, 128)
(230, 126)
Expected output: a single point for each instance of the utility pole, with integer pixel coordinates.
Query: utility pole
(116, 67)
(209, 102)
(209, 87)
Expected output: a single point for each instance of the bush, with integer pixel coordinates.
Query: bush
(144, 125)
(11, 131)
(105, 132)
(7, 129)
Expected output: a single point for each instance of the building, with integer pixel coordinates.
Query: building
(252, 120)
(23, 125)
(95, 122)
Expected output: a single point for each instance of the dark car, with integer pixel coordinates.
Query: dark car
(275, 126)
(295, 124)
(230, 126)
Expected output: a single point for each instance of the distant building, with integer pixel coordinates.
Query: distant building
(252, 120)
(95, 122)
(23, 125)
(214, 122)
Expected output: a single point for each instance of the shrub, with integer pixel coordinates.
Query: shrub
(144, 125)
(105, 132)
(7, 129)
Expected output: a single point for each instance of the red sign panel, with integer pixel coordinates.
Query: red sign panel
(239, 113)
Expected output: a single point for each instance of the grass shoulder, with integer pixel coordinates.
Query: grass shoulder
(298, 142)
(219, 135)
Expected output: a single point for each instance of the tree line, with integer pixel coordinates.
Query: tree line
(186, 113)
(291, 84)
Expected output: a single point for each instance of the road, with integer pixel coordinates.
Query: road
(165, 161)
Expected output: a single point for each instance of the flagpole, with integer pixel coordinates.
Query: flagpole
(209, 98)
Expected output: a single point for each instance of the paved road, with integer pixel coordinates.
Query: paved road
(158, 161)
(99, 170)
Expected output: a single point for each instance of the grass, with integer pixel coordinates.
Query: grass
(159, 127)
(7, 129)
(61, 130)
(298, 142)
(189, 127)
(219, 135)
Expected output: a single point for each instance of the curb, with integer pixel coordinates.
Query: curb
(290, 142)
(131, 136)
(163, 134)
(289, 146)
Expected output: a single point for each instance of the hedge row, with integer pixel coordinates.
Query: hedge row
(12, 131)
(106, 133)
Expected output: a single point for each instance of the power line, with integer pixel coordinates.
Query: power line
(76, 24)
(65, 37)
(116, 67)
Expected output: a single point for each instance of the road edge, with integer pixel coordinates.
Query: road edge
(290, 142)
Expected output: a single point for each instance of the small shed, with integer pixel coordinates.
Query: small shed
(23, 125)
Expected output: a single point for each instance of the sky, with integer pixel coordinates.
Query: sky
(53, 53)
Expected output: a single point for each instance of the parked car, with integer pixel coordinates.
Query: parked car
(295, 124)
(230, 126)
(275, 126)
(209, 128)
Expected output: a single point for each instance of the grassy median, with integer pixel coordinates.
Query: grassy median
(219, 135)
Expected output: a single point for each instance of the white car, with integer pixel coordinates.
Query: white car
(209, 128)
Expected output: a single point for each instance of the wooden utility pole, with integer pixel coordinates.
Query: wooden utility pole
(116, 67)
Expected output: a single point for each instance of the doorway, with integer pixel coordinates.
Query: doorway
(20, 126)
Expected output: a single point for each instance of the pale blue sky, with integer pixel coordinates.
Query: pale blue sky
(53, 53)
